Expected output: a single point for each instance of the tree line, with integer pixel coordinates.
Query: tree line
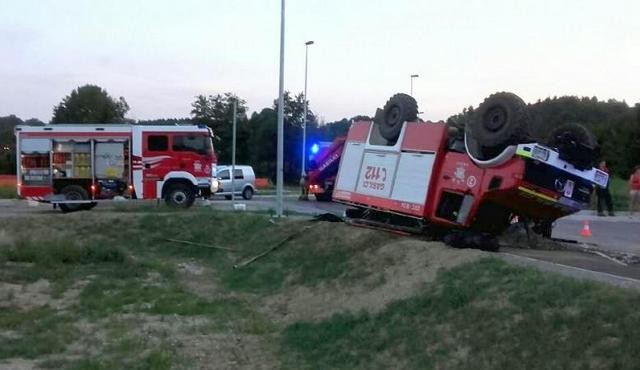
(615, 124)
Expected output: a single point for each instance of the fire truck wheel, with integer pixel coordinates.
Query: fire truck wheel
(247, 193)
(73, 192)
(89, 206)
(572, 132)
(180, 195)
(567, 137)
(323, 197)
(501, 120)
(543, 228)
(398, 109)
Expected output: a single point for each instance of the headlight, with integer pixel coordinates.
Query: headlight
(540, 153)
(214, 185)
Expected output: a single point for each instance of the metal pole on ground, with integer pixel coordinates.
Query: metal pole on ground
(233, 156)
(280, 156)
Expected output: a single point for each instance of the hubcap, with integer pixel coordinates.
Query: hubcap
(495, 118)
(73, 196)
(393, 116)
(179, 197)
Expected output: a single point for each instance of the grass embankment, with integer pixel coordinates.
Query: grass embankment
(101, 290)
(8, 192)
(484, 315)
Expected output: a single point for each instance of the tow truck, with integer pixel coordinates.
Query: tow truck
(400, 173)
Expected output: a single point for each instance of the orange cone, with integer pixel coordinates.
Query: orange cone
(586, 231)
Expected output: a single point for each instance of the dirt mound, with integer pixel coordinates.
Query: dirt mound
(396, 270)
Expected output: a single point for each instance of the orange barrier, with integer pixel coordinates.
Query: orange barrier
(262, 182)
(8, 180)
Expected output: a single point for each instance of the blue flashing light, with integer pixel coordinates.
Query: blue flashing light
(315, 148)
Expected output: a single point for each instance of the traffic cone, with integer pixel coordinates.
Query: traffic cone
(586, 231)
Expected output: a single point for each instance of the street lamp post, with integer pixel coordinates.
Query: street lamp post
(280, 156)
(306, 105)
(412, 77)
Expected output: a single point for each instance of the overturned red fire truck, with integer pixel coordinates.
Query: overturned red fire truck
(78, 165)
(406, 174)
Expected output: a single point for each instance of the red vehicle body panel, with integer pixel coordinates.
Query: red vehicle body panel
(450, 173)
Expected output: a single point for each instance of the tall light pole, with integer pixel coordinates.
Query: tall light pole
(412, 77)
(306, 104)
(280, 156)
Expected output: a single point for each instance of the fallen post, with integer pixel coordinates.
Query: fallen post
(250, 260)
(200, 244)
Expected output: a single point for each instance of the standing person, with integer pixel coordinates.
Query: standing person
(304, 180)
(604, 196)
(634, 191)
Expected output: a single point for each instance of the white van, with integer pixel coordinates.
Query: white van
(244, 181)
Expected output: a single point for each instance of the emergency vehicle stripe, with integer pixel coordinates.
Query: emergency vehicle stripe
(535, 193)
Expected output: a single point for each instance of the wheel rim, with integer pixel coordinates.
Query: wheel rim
(179, 197)
(73, 195)
(495, 118)
(393, 116)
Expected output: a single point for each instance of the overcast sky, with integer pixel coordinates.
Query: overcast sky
(160, 54)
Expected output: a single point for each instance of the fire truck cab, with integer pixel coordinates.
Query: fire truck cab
(78, 165)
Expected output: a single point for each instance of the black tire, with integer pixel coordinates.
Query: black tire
(571, 132)
(543, 228)
(89, 206)
(74, 192)
(323, 197)
(501, 120)
(399, 108)
(180, 195)
(247, 193)
(575, 143)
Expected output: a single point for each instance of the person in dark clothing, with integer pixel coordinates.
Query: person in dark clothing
(603, 194)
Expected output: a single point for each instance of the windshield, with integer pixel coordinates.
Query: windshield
(200, 144)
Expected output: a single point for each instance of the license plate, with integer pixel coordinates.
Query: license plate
(568, 188)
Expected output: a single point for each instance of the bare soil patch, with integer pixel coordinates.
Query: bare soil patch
(397, 270)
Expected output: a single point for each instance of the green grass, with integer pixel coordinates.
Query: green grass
(115, 255)
(483, 315)
(8, 192)
(619, 189)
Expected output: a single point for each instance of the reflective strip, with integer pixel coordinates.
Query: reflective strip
(523, 153)
(535, 193)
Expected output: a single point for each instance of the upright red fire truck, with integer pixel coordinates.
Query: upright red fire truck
(78, 165)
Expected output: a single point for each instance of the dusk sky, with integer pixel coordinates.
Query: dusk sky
(160, 54)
